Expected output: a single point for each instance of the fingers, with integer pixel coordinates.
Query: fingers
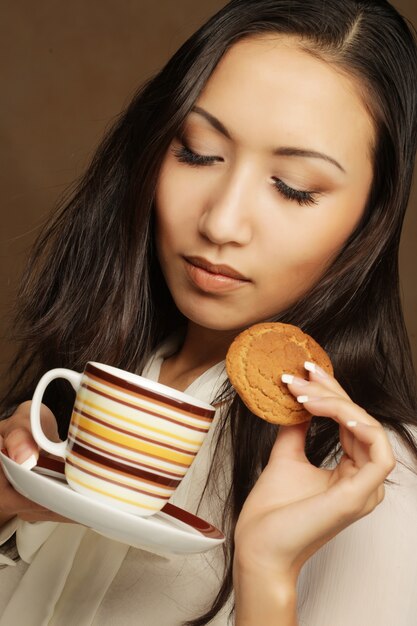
(291, 439)
(381, 457)
(370, 444)
(20, 445)
(317, 382)
(16, 436)
(363, 438)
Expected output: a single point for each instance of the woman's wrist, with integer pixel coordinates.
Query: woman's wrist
(264, 596)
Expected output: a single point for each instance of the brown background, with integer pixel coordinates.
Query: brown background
(68, 69)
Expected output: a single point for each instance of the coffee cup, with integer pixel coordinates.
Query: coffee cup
(130, 440)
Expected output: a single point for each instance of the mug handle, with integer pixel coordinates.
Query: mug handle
(57, 448)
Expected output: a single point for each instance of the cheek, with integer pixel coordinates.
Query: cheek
(325, 232)
(289, 274)
(174, 203)
(299, 256)
(165, 212)
(172, 227)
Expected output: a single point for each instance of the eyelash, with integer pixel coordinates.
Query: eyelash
(303, 198)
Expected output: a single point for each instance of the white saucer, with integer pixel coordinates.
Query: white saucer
(171, 530)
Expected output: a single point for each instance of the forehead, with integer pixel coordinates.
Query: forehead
(267, 89)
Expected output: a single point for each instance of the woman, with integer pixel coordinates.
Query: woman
(262, 174)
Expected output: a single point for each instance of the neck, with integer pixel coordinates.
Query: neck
(202, 348)
(204, 345)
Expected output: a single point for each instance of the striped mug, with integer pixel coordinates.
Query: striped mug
(130, 439)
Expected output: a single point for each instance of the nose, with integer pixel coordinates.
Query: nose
(226, 217)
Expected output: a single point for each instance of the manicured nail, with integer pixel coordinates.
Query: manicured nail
(302, 399)
(309, 366)
(315, 369)
(354, 424)
(294, 380)
(30, 463)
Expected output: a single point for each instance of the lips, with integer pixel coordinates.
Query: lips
(220, 270)
(213, 279)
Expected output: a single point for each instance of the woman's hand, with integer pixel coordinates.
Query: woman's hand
(295, 507)
(16, 438)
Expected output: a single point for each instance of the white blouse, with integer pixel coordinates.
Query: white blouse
(69, 575)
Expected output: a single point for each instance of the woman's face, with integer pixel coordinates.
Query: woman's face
(267, 180)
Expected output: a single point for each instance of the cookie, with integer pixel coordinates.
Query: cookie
(259, 356)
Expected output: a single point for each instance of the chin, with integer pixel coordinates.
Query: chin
(220, 324)
(218, 318)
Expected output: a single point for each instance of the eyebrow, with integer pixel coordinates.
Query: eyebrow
(282, 151)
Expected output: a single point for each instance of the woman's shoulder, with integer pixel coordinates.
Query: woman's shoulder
(406, 457)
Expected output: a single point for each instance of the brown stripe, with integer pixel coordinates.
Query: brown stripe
(199, 524)
(123, 459)
(158, 402)
(143, 409)
(138, 389)
(170, 509)
(134, 435)
(51, 464)
(122, 468)
(45, 462)
(120, 445)
(115, 482)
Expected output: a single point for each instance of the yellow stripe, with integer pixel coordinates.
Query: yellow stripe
(109, 495)
(128, 455)
(133, 442)
(165, 433)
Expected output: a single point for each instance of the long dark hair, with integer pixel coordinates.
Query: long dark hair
(93, 288)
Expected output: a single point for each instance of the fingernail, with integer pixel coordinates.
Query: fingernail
(30, 463)
(315, 369)
(302, 399)
(294, 380)
(309, 366)
(354, 424)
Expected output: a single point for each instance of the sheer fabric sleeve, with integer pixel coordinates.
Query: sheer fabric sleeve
(368, 573)
(8, 549)
(22, 540)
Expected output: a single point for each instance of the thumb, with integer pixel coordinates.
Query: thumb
(290, 442)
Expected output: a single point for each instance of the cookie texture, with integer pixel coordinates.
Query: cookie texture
(259, 356)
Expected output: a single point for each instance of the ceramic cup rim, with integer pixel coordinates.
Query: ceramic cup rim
(134, 382)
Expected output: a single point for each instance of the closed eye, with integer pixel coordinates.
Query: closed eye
(300, 196)
(185, 155)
